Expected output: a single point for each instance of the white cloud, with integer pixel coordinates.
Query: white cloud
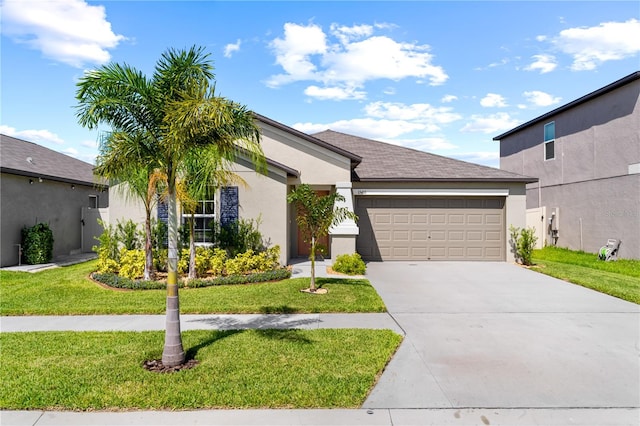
(347, 34)
(36, 136)
(486, 158)
(421, 113)
(448, 98)
(382, 130)
(68, 31)
(592, 46)
(539, 98)
(542, 63)
(294, 51)
(231, 47)
(493, 100)
(489, 123)
(89, 144)
(334, 93)
(305, 53)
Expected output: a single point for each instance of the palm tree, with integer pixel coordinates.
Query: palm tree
(127, 159)
(178, 111)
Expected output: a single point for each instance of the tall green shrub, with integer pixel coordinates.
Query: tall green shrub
(523, 242)
(37, 244)
(128, 235)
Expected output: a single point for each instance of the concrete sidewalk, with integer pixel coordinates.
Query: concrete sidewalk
(388, 417)
(196, 322)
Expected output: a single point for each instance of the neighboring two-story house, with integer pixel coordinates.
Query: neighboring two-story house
(586, 155)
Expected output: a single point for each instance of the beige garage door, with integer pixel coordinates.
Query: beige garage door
(428, 228)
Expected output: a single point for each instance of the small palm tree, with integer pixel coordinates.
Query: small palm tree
(316, 214)
(178, 112)
(126, 158)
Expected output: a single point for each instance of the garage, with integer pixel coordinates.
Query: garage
(431, 228)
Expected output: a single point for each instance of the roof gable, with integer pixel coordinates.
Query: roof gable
(29, 159)
(386, 162)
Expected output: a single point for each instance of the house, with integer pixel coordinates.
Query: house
(38, 185)
(411, 205)
(586, 156)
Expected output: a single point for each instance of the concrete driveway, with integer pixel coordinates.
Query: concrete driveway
(496, 335)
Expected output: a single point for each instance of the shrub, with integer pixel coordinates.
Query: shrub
(238, 237)
(218, 260)
(523, 242)
(160, 259)
(350, 264)
(108, 248)
(241, 264)
(37, 244)
(108, 266)
(132, 263)
(128, 235)
(118, 281)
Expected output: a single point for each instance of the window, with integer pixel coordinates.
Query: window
(203, 218)
(549, 140)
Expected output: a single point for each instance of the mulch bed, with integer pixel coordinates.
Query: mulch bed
(156, 366)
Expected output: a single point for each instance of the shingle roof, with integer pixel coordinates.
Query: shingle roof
(29, 159)
(386, 162)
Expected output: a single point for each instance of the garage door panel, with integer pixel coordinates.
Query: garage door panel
(427, 228)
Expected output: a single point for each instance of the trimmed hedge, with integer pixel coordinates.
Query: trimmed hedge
(117, 281)
(37, 244)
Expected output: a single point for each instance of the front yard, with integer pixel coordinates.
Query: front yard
(68, 291)
(620, 278)
(237, 369)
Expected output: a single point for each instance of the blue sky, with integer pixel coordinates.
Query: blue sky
(443, 77)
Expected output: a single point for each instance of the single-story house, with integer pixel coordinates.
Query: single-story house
(411, 205)
(39, 185)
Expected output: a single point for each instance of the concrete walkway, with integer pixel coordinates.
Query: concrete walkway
(485, 344)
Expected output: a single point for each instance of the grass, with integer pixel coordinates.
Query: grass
(68, 291)
(620, 278)
(238, 369)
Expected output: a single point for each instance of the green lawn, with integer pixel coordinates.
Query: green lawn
(238, 369)
(68, 291)
(620, 278)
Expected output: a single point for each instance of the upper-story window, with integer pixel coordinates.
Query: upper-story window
(549, 140)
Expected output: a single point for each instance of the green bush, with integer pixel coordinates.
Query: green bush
(350, 264)
(238, 237)
(217, 262)
(132, 263)
(108, 248)
(37, 244)
(128, 235)
(117, 281)
(523, 242)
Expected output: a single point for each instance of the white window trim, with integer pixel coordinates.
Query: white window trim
(547, 142)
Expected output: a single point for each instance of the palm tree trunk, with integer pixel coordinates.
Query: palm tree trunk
(192, 249)
(313, 264)
(148, 264)
(173, 353)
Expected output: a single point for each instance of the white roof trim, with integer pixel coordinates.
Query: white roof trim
(433, 192)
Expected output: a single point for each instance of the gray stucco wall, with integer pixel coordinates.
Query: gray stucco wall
(55, 203)
(593, 178)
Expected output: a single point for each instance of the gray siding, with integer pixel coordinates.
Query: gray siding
(591, 179)
(51, 202)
